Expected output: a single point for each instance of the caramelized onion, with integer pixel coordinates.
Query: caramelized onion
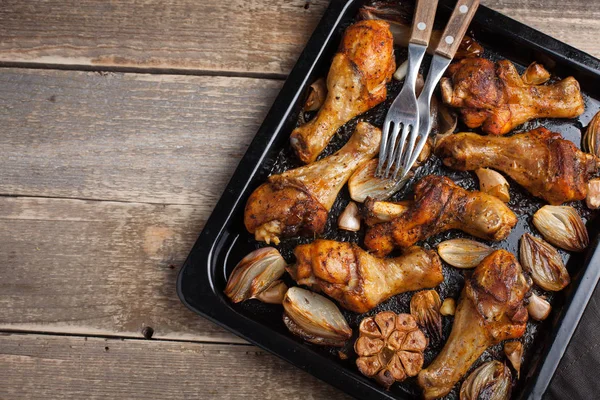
(562, 226)
(314, 318)
(463, 253)
(425, 307)
(544, 263)
(491, 381)
(255, 274)
(591, 139)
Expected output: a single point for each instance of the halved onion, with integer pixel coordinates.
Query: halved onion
(463, 253)
(254, 274)
(492, 381)
(314, 318)
(562, 226)
(544, 263)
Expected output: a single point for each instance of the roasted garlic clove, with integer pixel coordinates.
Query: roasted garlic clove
(591, 139)
(316, 95)
(463, 253)
(425, 307)
(349, 219)
(535, 74)
(314, 318)
(448, 307)
(401, 71)
(593, 196)
(514, 352)
(376, 211)
(390, 347)
(255, 274)
(274, 294)
(491, 381)
(538, 308)
(543, 263)
(562, 226)
(492, 182)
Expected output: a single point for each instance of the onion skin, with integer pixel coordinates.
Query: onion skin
(314, 318)
(491, 381)
(274, 294)
(254, 274)
(562, 226)
(543, 263)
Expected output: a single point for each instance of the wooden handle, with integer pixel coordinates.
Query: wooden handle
(423, 21)
(457, 26)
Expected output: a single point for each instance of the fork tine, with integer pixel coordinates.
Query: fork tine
(399, 155)
(383, 150)
(418, 149)
(406, 164)
(391, 147)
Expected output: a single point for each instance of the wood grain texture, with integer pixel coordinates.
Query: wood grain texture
(98, 268)
(50, 367)
(126, 137)
(237, 36)
(260, 36)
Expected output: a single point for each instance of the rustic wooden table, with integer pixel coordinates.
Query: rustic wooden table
(120, 124)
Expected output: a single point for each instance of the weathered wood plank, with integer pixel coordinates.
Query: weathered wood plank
(239, 36)
(260, 36)
(98, 268)
(48, 367)
(132, 137)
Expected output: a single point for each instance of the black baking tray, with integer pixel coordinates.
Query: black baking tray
(224, 240)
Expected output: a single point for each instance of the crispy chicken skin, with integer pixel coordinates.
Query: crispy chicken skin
(541, 161)
(496, 98)
(490, 310)
(441, 205)
(298, 201)
(356, 83)
(358, 280)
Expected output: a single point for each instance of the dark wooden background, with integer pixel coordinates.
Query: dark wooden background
(120, 124)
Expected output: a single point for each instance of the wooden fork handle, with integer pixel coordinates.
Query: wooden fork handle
(423, 21)
(457, 26)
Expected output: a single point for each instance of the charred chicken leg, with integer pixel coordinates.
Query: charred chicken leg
(541, 161)
(298, 201)
(440, 205)
(356, 83)
(490, 310)
(496, 98)
(358, 280)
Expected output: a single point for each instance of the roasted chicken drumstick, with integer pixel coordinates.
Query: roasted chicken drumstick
(496, 98)
(541, 161)
(358, 280)
(490, 310)
(441, 205)
(298, 201)
(356, 83)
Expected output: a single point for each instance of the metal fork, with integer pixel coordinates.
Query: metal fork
(403, 113)
(444, 53)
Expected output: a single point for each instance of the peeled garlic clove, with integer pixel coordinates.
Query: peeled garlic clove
(349, 219)
(591, 139)
(593, 195)
(316, 96)
(493, 183)
(425, 307)
(448, 307)
(543, 263)
(463, 253)
(363, 183)
(314, 318)
(562, 226)
(254, 274)
(538, 307)
(274, 294)
(400, 73)
(491, 381)
(514, 352)
(535, 74)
